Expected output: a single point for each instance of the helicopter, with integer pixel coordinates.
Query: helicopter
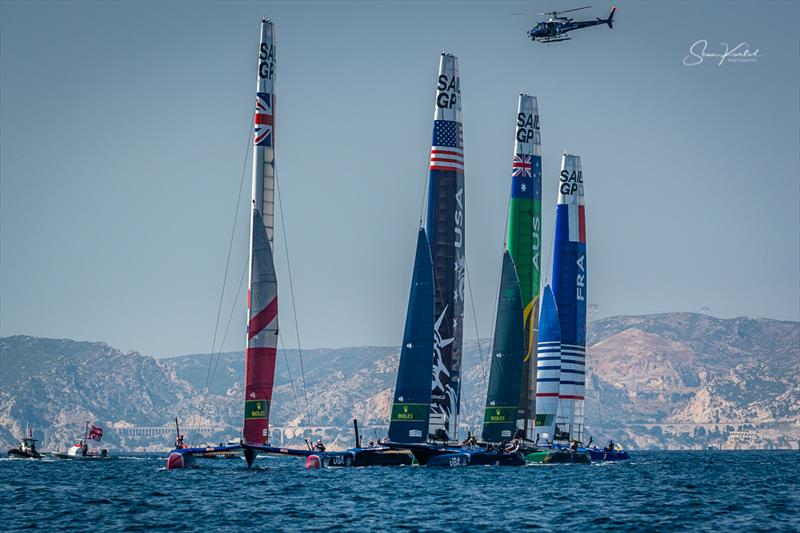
(556, 27)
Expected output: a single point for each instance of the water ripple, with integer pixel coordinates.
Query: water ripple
(656, 491)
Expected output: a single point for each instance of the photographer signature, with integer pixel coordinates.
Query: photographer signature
(699, 51)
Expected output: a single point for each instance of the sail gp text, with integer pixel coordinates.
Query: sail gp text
(528, 128)
(571, 182)
(266, 61)
(449, 92)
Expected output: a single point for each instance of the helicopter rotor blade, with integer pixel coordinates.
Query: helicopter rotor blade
(576, 9)
(517, 14)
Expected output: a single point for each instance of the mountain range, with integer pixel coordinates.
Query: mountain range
(673, 380)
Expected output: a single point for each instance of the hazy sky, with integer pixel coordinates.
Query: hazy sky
(125, 125)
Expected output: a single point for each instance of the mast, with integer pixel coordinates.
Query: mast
(548, 368)
(412, 392)
(262, 293)
(569, 289)
(445, 229)
(524, 241)
(508, 352)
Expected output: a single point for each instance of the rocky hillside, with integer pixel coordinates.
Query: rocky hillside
(679, 380)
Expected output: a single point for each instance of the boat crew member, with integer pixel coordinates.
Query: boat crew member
(318, 446)
(179, 442)
(610, 447)
(513, 446)
(574, 446)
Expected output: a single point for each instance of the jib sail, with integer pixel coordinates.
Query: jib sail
(508, 352)
(412, 393)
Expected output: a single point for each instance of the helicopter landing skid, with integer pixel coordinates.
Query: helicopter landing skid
(554, 39)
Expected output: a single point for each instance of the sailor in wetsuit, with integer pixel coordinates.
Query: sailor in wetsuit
(610, 447)
(179, 442)
(318, 446)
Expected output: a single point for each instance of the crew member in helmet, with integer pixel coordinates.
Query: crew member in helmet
(318, 446)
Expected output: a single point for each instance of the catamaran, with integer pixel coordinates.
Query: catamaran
(262, 301)
(425, 413)
(562, 356)
(262, 310)
(511, 392)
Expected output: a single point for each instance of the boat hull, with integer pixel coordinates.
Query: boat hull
(81, 457)
(368, 457)
(558, 457)
(602, 455)
(470, 457)
(185, 457)
(20, 454)
(440, 455)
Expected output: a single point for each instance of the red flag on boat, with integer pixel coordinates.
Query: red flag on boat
(95, 433)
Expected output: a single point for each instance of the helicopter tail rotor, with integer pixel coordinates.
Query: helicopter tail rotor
(610, 19)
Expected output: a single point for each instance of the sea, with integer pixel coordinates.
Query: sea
(654, 491)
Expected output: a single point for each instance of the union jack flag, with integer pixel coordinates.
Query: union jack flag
(263, 120)
(522, 166)
(95, 433)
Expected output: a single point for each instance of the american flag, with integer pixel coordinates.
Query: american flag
(263, 121)
(522, 166)
(447, 148)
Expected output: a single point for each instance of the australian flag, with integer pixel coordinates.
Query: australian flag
(263, 121)
(526, 178)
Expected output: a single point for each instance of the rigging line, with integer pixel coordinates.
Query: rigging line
(291, 287)
(228, 325)
(291, 378)
(477, 333)
(227, 266)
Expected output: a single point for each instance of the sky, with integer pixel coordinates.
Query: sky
(125, 127)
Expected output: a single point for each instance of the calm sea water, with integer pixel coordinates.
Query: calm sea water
(662, 491)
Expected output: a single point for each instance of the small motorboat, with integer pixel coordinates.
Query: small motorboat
(81, 450)
(26, 449)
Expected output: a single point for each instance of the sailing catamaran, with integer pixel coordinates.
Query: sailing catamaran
(262, 300)
(425, 421)
(511, 393)
(562, 352)
(561, 366)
